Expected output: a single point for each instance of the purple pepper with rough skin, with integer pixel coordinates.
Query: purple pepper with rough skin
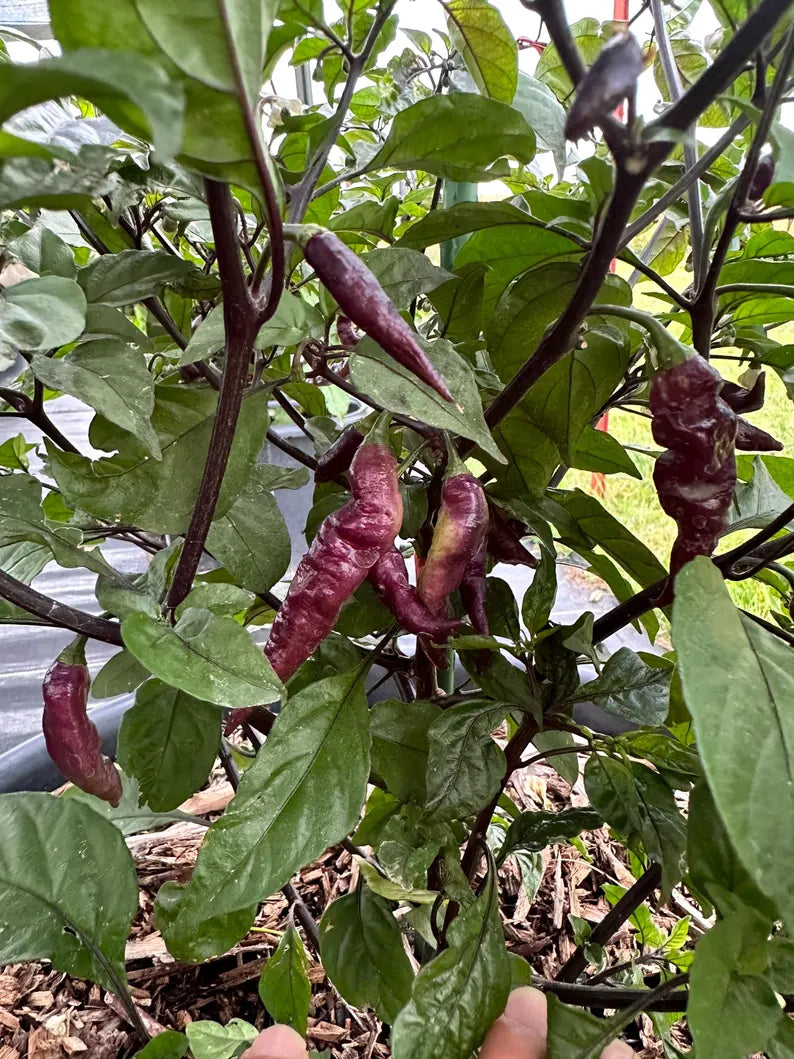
(347, 333)
(504, 541)
(750, 438)
(610, 79)
(368, 306)
(72, 739)
(389, 577)
(472, 589)
(458, 537)
(762, 177)
(337, 459)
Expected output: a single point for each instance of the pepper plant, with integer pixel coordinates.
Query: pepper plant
(191, 257)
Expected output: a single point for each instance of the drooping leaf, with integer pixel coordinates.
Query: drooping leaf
(303, 793)
(458, 136)
(398, 390)
(284, 986)
(362, 952)
(629, 688)
(400, 746)
(531, 832)
(121, 673)
(251, 540)
(110, 377)
(68, 889)
(160, 495)
(539, 597)
(459, 994)
(737, 679)
(129, 816)
(168, 741)
(464, 764)
(205, 656)
(42, 313)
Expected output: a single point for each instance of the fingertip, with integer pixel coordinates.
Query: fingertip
(618, 1050)
(277, 1042)
(520, 1033)
(527, 1007)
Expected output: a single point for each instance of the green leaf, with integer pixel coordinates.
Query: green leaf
(101, 321)
(737, 680)
(586, 32)
(501, 609)
(533, 831)
(128, 816)
(458, 995)
(131, 89)
(489, 49)
(168, 1045)
(303, 793)
(120, 674)
(252, 540)
(545, 114)
(399, 746)
(404, 274)
(42, 313)
(293, 321)
(596, 450)
(576, 1034)
(440, 225)
(212, 42)
(713, 863)
(68, 889)
(210, 1040)
(44, 252)
(204, 655)
(397, 389)
(732, 1011)
(392, 891)
(110, 377)
(168, 741)
(565, 765)
(456, 136)
(781, 1046)
(629, 688)
(121, 279)
(539, 597)
(464, 764)
(596, 523)
(284, 986)
(13, 453)
(159, 496)
(362, 952)
(638, 803)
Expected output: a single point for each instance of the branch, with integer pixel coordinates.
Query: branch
(666, 997)
(673, 79)
(266, 182)
(560, 338)
(303, 192)
(704, 306)
(33, 411)
(291, 450)
(241, 320)
(612, 921)
(689, 177)
(729, 563)
(59, 614)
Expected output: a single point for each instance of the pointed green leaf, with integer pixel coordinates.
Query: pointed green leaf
(168, 741)
(629, 688)
(362, 952)
(121, 673)
(204, 655)
(121, 279)
(738, 681)
(464, 764)
(68, 889)
(110, 377)
(284, 986)
(531, 832)
(458, 995)
(487, 45)
(303, 793)
(210, 1040)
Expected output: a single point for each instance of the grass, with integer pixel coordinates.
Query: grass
(634, 502)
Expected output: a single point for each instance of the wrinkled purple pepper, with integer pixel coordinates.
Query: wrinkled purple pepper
(72, 739)
(606, 84)
(337, 459)
(389, 577)
(366, 304)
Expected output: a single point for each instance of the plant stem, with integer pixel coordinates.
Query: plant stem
(607, 997)
(58, 614)
(241, 321)
(673, 79)
(33, 411)
(291, 450)
(612, 921)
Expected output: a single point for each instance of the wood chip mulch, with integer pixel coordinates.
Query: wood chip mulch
(45, 1014)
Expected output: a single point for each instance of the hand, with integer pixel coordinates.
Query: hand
(520, 1033)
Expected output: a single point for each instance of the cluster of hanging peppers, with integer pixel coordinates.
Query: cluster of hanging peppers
(695, 420)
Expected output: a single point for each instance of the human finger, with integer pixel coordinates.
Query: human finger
(520, 1033)
(277, 1042)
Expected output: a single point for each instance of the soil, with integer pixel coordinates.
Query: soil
(45, 1014)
